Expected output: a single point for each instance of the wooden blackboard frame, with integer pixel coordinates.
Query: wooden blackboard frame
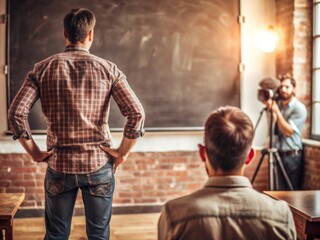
(195, 127)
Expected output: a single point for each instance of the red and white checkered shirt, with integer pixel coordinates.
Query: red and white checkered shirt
(75, 88)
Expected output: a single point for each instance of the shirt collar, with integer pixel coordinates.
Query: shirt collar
(74, 47)
(228, 182)
(292, 102)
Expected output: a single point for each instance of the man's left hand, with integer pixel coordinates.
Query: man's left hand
(118, 159)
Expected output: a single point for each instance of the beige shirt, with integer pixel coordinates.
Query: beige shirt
(226, 208)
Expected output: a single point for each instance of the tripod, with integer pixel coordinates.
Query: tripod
(273, 157)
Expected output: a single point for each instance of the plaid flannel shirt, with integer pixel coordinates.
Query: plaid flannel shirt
(75, 88)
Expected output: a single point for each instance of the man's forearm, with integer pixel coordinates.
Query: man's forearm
(33, 150)
(284, 126)
(121, 154)
(30, 146)
(126, 146)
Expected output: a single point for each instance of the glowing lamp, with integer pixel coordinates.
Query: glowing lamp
(267, 40)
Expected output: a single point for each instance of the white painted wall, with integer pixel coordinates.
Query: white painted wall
(258, 14)
(258, 65)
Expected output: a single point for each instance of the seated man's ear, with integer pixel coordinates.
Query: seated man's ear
(250, 156)
(90, 35)
(202, 152)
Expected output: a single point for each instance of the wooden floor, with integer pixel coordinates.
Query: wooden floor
(123, 227)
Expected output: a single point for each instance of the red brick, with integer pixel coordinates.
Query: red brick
(146, 200)
(122, 200)
(12, 176)
(29, 176)
(26, 169)
(28, 203)
(18, 182)
(12, 189)
(11, 162)
(157, 193)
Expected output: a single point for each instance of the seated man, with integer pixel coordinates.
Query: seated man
(227, 207)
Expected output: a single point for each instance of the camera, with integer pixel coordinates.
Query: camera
(266, 94)
(269, 89)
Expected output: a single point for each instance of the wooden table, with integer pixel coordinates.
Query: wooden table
(305, 206)
(9, 204)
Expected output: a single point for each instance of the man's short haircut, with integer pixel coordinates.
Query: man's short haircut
(286, 76)
(78, 23)
(228, 137)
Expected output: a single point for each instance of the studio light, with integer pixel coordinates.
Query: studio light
(267, 39)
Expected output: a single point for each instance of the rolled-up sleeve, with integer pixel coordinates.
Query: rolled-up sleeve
(298, 118)
(20, 107)
(129, 105)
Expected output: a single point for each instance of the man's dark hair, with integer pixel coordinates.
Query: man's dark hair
(286, 76)
(78, 23)
(228, 137)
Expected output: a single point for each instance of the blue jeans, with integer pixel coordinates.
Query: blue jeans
(293, 166)
(61, 192)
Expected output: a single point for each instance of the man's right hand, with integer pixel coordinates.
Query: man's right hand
(268, 104)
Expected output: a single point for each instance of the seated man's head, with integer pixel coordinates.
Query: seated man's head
(228, 137)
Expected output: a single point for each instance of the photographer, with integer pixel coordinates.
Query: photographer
(289, 117)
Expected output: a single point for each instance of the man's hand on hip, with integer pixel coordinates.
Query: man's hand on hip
(119, 159)
(121, 154)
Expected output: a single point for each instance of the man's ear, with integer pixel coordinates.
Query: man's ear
(65, 35)
(250, 156)
(90, 35)
(202, 152)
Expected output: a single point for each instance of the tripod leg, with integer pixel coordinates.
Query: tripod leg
(277, 157)
(258, 167)
(276, 176)
(271, 172)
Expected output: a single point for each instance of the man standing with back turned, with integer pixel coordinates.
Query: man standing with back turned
(226, 207)
(75, 89)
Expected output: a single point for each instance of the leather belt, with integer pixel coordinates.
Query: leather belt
(289, 153)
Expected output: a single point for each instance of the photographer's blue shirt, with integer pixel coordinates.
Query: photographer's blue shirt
(295, 114)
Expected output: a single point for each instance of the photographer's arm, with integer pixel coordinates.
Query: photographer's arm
(283, 125)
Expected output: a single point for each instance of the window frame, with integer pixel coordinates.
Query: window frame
(315, 94)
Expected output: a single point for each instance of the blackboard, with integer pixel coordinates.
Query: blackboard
(180, 57)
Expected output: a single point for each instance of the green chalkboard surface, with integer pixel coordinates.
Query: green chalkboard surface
(181, 57)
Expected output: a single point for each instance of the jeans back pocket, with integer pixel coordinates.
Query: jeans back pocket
(54, 182)
(101, 182)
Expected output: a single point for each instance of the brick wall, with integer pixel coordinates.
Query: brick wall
(311, 167)
(146, 178)
(294, 55)
(19, 174)
(284, 21)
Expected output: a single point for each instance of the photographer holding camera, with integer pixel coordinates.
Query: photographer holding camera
(289, 115)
